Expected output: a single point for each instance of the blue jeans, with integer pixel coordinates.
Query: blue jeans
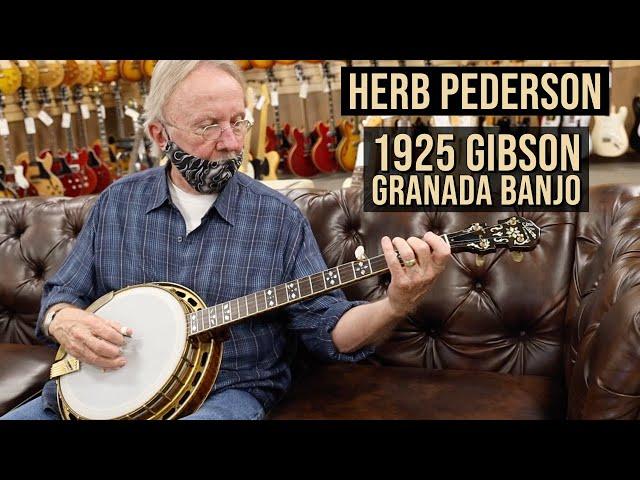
(229, 404)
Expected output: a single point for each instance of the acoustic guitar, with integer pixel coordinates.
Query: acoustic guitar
(130, 70)
(174, 356)
(264, 158)
(37, 170)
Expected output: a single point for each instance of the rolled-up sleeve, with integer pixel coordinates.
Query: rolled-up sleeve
(74, 282)
(313, 320)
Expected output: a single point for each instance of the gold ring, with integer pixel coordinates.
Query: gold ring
(410, 263)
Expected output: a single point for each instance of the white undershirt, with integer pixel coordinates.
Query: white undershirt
(191, 206)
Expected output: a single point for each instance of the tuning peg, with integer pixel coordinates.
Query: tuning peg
(360, 255)
(517, 256)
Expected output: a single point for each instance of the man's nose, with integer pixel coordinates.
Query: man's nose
(229, 141)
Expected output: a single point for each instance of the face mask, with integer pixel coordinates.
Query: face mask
(203, 175)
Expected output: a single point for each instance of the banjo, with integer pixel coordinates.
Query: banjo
(174, 356)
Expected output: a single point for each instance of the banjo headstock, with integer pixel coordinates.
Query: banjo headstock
(513, 233)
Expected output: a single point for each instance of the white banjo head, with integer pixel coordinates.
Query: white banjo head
(154, 350)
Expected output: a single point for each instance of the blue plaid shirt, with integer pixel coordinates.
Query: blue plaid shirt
(251, 238)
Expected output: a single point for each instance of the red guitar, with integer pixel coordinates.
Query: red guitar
(299, 158)
(103, 175)
(77, 158)
(323, 151)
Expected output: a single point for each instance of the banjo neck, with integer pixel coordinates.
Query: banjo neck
(476, 238)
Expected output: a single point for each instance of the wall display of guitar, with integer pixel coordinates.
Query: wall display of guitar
(174, 356)
(37, 170)
(347, 148)
(15, 185)
(299, 159)
(265, 160)
(71, 181)
(324, 148)
(77, 158)
(634, 138)
(278, 137)
(94, 162)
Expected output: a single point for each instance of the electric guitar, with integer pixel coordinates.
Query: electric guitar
(323, 151)
(634, 138)
(609, 135)
(299, 158)
(103, 176)
(101, 145)
(278, 138)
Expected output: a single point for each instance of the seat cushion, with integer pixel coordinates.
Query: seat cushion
(347, 391)
(24, 369)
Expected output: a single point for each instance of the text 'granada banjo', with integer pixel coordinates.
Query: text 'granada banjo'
(174, 355)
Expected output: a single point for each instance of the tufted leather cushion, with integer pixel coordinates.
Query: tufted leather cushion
(36, 234)
(499, 316)
(502, 316)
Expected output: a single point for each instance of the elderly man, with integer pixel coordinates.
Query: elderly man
(200, 223)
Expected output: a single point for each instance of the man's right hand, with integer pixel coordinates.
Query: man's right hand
(89, 338)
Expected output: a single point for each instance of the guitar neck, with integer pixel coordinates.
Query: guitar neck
(6, 146)
(119, 110)
(102, 129)
(227, 313)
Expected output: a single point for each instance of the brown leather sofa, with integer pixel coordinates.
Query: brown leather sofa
(555, 335)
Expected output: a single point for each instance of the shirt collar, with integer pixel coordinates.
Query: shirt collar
(224, 204)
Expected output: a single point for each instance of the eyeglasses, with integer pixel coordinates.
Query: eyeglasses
(213, 132)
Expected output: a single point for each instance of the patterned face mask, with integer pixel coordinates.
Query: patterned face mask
(203, 175)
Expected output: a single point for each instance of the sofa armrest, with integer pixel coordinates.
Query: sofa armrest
(605, 380)
(24, 369)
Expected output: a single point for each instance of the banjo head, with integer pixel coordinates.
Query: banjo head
(159, 341)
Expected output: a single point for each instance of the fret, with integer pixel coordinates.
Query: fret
(194, 323)
(251, 307)
(317, 282)
(218, 315)
(260, 302)
(270, 298)
(293, 291)
(233, 308)
(242, 307)
(226, 313)
(346, 273)
(281, 294)
(200, 316)
(331, 278)
(361, 268)
(306, 288)
(211, 314)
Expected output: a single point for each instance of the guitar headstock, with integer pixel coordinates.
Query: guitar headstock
(513, 233)
(299, 73)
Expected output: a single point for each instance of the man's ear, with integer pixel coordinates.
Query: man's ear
(158, 134)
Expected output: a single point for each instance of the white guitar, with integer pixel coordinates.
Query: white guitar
(609, 135)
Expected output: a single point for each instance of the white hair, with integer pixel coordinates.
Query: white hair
(167, 75)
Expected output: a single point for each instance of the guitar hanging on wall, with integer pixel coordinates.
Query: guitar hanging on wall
(299, 158)
(323, 152)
